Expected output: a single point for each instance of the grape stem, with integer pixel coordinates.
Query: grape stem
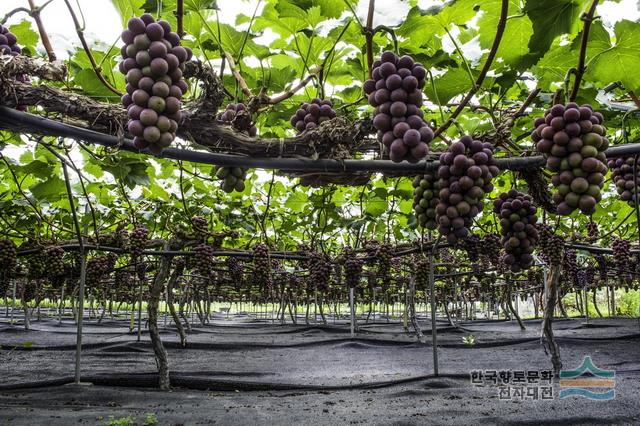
(87, 50)
(179, 17)
(579, 72)
(369, 33)
(44, 37)
(634, 98)
(13, 12)
(502, 23)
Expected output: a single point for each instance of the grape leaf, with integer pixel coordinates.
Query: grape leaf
(621, 61)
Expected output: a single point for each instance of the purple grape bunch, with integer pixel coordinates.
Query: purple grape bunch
(231, 112)
(395, 92)
(625, 173)
(572, 138)
(311, 114)
(518, 219)
(8, 42)
(465, 172)
(153, 64)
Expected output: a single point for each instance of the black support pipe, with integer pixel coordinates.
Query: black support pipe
(14, 120)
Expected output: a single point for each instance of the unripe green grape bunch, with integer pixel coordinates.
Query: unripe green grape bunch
(625, 173)
(232, 178)
(425, 199)
(572, 138)
(153, 64)
(518, 219)
(311, 114)
(395, 91)
(465, 172)
(8, 256)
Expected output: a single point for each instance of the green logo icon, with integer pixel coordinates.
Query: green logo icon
(588, 381)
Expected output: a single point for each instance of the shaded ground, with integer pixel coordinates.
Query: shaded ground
(243, 371)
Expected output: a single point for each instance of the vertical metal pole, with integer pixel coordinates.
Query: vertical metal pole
(13, 304)
(586, 304)
(140, 310)
(352, 312)
(434, 334)
(60, 311)
(80, 315)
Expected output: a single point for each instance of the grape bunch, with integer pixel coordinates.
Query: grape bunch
(236, 271)
(232, 178)
(465, 173)
(622, 256)
(262, 267)
(153, 63)
(352, 267)
(519, 234)
(36, 266)
(623, 171)
(53, 259)
(570, 267)
(311, 114)
(319, 271)
(592, 231)
(9, 46)
(138, 241)
(238, 116)
(573, 141)
(203, 259)
(8, 42)
(98, 267)
(395, 92)
(383, 256)
(200, 227)
(551, 245)
(491, 249)
(8, 256)
(425, 199)
(602, 267)
(422, 275)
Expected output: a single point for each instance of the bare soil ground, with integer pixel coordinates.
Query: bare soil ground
(245, 371)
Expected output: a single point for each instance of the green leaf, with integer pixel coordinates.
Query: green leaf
(452, 83)
(51, 190)
(26, 35)
(199, 5)
(622, 61)
(375, 206)
(128, 9)
(552, 18)
(553, 67)
(297, 202)
(515, 41)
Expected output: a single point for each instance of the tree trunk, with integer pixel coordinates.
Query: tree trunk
(156, 290)
(551, 296)
(595, 303)
(172, 309)
(561, 306)
(412, 310)
(509, 303)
